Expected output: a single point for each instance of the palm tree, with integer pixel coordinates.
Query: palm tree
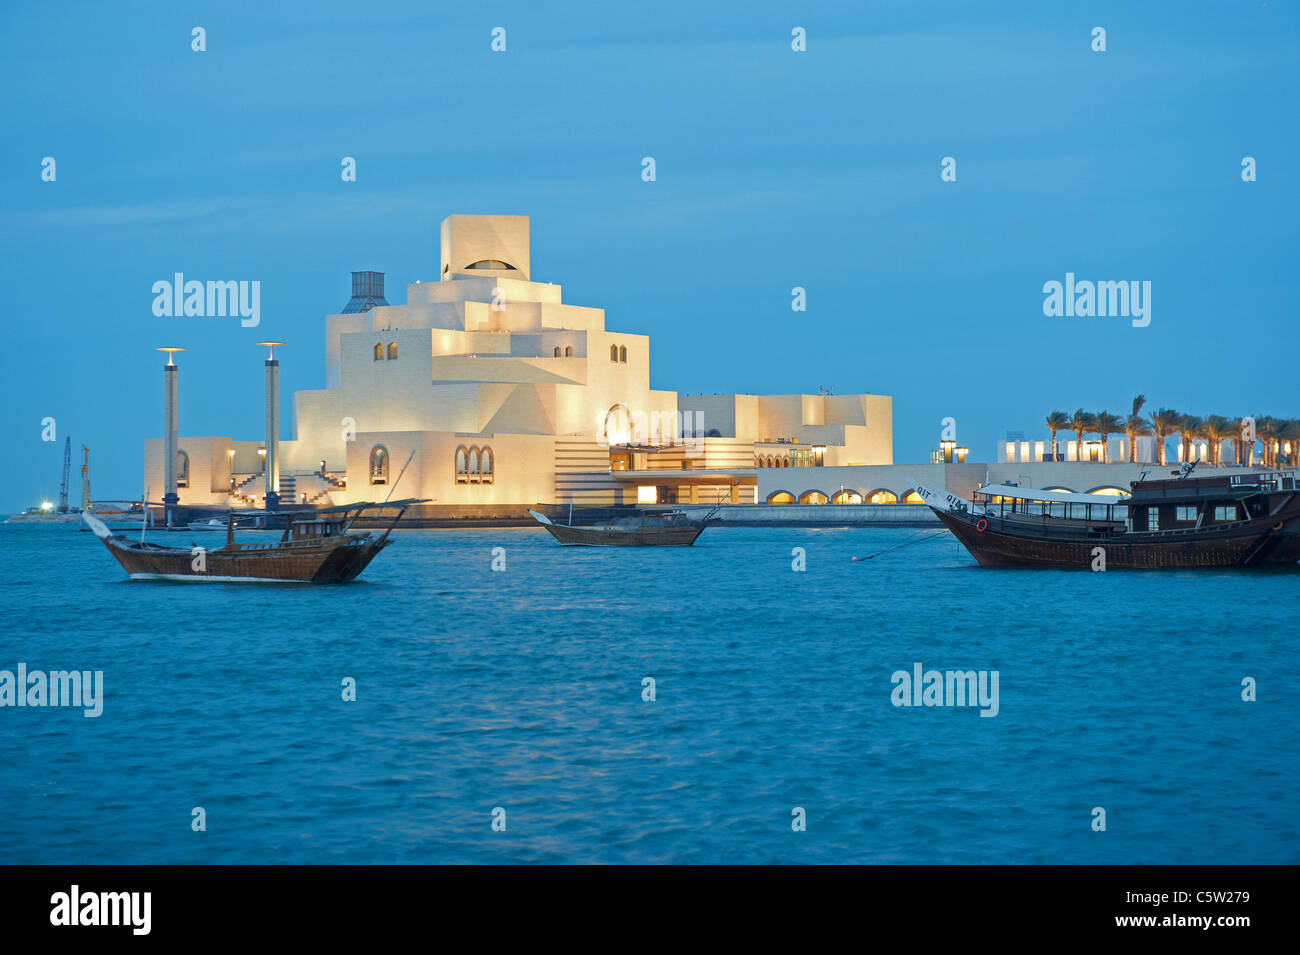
(1081, 422)
(1290, 432)
(1163, 423)
(1266, 429)
(1217, 427)
(1238, 442)
(1189, 429)
(1135, 425)
(1107, 424)
(1057, 421)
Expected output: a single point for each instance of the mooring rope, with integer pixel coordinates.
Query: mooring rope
(919, 539)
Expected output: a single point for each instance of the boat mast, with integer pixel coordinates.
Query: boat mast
(349, 521)
(86, 502)
(409, 458)
(67, 467)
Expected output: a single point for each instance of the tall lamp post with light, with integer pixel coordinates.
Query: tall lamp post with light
(171, 435)
(272, 501)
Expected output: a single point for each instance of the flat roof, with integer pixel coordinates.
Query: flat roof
(1051, 497)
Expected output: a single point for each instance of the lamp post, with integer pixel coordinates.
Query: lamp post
(272, 428)
(171, 435)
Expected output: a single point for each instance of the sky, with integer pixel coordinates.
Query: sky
(775, 169)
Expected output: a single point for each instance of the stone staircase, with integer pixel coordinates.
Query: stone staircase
(315, 485)
(309, 487)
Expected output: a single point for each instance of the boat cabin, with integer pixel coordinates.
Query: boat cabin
(313, 528)
(1198, 503)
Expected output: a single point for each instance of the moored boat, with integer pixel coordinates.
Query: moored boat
(1227, 520)
(211, 524)
(317, 547)
(667, 529)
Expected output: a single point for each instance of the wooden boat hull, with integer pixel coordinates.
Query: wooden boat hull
(334, 560)
(683, 536)
(1003, 542)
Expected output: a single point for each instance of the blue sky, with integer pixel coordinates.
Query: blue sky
(775, 169)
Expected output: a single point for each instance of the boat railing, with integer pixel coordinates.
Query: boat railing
(1201, 529)
(1057, 525)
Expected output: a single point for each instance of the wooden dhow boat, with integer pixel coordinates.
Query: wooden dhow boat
(1228, 520)
(666, 529)
(317, 547)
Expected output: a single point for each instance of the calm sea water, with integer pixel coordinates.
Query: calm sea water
(522, 689)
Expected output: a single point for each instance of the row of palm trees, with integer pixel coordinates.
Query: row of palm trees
(1280, 437)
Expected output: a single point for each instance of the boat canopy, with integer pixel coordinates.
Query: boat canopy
(1052, 497)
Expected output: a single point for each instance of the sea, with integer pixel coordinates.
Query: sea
(488, 696)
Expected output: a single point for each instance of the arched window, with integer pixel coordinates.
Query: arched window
(182, 469)
(379, 464)
(473, 466)
(847, 497)
(618, 425)
(557, 351)
(613, 353)
(780, 497)
(379, 352)
(462, 466)
(392, 350)
(487, 466)
(812, 497)
(568, 351)
(911, 497)
(882, 496)
(622, 354)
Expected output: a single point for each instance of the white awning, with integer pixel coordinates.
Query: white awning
(1053, 497)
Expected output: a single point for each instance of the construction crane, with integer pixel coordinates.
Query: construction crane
(86, 501)
(67, 466)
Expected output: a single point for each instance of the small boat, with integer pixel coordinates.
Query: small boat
(211, 524)
(667, 529)
(317, 547)
(1228, 520)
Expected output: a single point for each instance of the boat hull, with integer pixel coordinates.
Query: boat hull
(336, 560)
(683, 536)
(1008, 543)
